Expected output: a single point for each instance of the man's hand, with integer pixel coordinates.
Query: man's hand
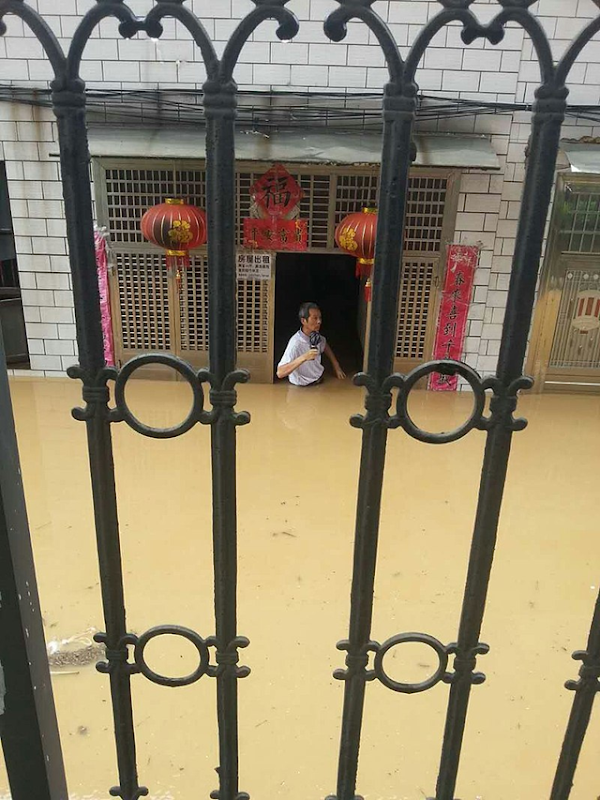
(339, 372)
(286, 369)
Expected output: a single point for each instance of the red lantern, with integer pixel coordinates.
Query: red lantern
(356, 235)
(176, 227)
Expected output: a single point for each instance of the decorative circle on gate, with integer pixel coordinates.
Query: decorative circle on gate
(403, 638)
(445, 367)
(194, 379)
(174, 630)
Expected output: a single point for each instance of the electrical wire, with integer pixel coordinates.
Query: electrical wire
(262, 111)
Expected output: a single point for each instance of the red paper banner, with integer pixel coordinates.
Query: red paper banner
(454, 309)
(103, 287)
(276, 193)
(275, 234)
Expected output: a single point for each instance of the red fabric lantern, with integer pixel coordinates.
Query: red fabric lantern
(176, 227)
(356, 235)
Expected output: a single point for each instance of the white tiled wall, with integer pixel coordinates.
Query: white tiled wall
(488, 204)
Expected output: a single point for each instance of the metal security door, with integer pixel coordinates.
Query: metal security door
(573, 326)
(565, 353)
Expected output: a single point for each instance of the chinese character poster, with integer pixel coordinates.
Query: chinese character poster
(454, 310)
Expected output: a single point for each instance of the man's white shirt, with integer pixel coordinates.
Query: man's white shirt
(309, 371)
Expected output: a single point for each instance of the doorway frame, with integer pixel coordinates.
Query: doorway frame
(273, 299)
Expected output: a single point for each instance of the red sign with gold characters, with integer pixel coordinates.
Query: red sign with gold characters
(276, 193)
(276, 196)
(275, 234)
(454, 309)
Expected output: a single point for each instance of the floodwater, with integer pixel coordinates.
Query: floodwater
(298, 466)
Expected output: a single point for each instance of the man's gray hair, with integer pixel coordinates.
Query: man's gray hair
(305, 309)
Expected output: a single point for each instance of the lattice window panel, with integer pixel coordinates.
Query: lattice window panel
(131, 192)
(252, 311)
(424, 209)
(253, 316)
(415, 295)
(314, 206)
(190, 185)
(425, 214)
(580, 221)
(353, 193)
(572, 349)
(243, 182)
(144, 301)
(193, 300)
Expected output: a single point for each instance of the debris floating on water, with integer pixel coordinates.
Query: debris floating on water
(78, 650)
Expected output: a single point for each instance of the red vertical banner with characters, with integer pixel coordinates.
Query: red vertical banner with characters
(454, 310)
(103, 287)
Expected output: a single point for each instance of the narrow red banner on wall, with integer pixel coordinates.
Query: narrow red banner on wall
(275, 234)
(454, 310)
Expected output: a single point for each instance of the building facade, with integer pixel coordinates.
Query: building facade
(312, 105)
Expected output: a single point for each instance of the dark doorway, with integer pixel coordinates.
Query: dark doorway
(329, 281)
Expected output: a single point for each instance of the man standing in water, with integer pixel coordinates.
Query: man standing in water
(301, 362)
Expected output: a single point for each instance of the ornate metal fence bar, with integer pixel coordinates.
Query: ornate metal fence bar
(586, 689)
(548, 115)
(28, 726)
(125, 651)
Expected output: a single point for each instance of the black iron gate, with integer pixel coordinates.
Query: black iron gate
(219, 653)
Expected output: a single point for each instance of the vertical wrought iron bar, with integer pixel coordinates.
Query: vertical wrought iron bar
(548, 115)
(220, 105)
(28, 725)
(586, 690)
(69, 106)
(399, 114)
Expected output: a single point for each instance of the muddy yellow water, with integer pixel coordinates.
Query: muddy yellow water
(298, 467)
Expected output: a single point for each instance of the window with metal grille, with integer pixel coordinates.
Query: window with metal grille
(143, 301)
(415, 294)
(579, 219)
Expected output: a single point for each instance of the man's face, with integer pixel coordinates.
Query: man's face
(313, 323)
